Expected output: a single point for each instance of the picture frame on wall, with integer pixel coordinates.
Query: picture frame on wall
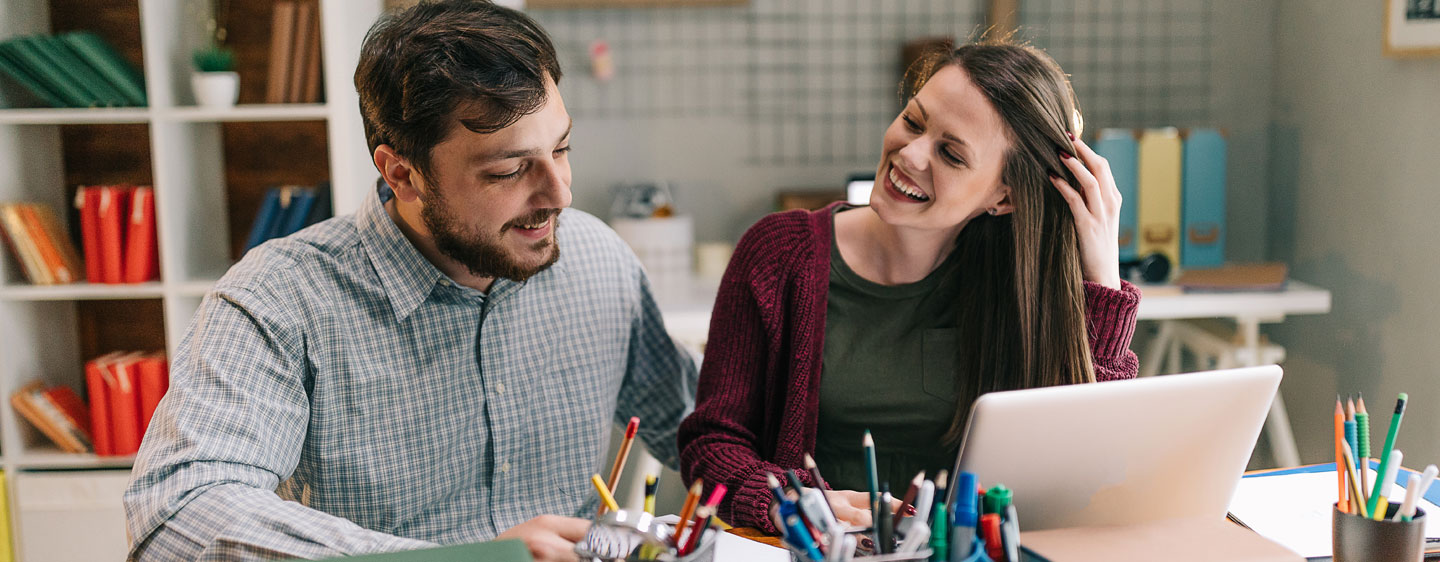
(1412, 28)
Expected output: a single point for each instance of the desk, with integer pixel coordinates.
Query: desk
(687, 318)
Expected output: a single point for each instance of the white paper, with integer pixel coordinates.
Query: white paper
(734, 548)
(1294, 509)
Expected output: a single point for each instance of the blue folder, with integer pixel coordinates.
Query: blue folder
(1202, 214)
(1119, 147)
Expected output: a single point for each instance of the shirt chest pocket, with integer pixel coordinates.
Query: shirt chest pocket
(938, 363)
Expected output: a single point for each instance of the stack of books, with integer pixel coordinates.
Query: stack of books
(117, 230)
(294, 74)
(57, 412)
(39, 244)
(76, 69)
(286, 210)
(124, 389)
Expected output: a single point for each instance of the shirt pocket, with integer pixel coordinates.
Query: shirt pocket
(938, 363)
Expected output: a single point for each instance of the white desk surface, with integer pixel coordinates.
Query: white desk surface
(692, 308)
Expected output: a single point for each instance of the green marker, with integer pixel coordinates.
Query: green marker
(1385, 459)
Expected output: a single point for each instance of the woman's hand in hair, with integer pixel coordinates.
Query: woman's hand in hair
(1096, 206)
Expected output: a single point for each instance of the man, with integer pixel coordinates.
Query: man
(444, 365)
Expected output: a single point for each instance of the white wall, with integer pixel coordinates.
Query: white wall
(1355, 185)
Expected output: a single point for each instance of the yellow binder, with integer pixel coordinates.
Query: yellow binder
(1159, 208)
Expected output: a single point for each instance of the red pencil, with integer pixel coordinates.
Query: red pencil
(620, 457)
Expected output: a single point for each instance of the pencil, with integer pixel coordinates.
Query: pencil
(1357, 507)
(1340, 455)
(1380, 482)
(687, 511)
(702, 517)
(909, 500)
(814, 471)
(1362, 430)
(621, 455)
(1350, 435)
(873, 479)
(605, 498)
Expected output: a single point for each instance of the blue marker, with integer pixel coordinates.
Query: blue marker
(967, 517)
(799, 537)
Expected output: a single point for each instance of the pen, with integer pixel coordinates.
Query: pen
(1011, 528)
(651, 483)
(990, 530)
(688, 509)
(922, 509)
(909, 500)
(1385, 460)
(1426, 478)
(703, 515)
(997, 498)
(800, 538)
(1357, 507)
(885, 522)
(1362, 462)
(962, 534)
(1386, 481)
(620, 456)
(918, 535)
(1407, 507)
(605, 498)
(1340, 455)
(814, 508)
(940, 523)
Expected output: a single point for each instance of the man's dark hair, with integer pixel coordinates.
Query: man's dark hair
(437, 62)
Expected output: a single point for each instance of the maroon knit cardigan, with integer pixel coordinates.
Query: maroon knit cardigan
(758, 398)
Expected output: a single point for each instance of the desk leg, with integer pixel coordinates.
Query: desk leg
(1154, 357)
(1277, 424)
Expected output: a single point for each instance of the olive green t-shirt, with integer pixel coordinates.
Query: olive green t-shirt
(888, 366)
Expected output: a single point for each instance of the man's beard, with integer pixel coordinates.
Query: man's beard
(486, 256)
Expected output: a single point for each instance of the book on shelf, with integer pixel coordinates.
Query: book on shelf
(39, 244)
(57, 412)
(125, 388)
(286, 210)
(117, 231)
(76, 69)
(293, 75)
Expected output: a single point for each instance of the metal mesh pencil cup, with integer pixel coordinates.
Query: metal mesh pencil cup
(620, 535)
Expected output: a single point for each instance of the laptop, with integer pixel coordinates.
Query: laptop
(1119, 452)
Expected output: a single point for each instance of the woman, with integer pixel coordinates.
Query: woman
(986, 260)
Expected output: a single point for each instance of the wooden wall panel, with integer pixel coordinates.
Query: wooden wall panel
(259, 156)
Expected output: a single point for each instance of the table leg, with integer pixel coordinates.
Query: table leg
(1277, 424)
(1154, 357)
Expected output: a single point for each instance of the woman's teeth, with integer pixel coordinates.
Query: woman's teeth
(909, 190)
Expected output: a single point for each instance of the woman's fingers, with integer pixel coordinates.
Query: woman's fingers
(1100, 168)
(1077, 203)
(1089, 185)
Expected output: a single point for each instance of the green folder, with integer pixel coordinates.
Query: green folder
(512, 550)
(94, 90)
(22, 75)
(118, 71)
(25, 53)
(87, 74)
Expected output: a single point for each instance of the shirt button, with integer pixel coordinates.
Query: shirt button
(445, 282)
(505, 467)
(499, 388)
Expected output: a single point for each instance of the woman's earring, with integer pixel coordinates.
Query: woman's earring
(993, 210)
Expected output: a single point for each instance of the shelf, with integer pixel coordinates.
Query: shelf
(80, 291)
(193, 288)
(250, 112)
(74, 115)
(50, 458)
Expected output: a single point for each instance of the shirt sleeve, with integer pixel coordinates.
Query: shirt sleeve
(659, 385)
(1110, 315)
(228, 431)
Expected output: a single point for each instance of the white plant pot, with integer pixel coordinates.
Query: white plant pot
(215, 89)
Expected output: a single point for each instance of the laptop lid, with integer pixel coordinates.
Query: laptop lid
(1119, 452)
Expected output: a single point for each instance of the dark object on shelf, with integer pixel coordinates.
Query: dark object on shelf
(1154, 268)
(288, 209)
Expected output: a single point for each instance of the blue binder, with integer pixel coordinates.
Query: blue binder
(1118, 146)
(265, 220)
(1202, 212)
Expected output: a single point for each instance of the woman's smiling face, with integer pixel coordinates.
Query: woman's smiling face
(942, 158)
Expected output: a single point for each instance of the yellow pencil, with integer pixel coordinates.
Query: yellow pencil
(604, 491)
(1358, 506)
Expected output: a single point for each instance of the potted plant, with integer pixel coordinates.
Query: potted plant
(215, 81)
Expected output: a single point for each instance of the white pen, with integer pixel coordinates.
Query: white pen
(918, 536)
(1415, 489)
(922, 510)
(1010, 529)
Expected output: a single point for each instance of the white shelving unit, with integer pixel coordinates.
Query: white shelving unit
(38, 325)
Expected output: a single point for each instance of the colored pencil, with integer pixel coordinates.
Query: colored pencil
(687, 511)
(1340, 456)
(872, 479)
(1362, 430)
(651, 484)
(1357, 507)
(1380, 483)
(605, 498)
(909, 500)
(621, 455)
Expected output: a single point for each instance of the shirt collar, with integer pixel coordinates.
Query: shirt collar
(408, 277)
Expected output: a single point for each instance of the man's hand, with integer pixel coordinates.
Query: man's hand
(551, 538)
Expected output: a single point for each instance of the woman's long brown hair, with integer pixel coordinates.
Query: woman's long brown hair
(1022, 321)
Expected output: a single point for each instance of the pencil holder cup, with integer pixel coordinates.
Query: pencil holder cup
(859, 555)
(1357, 538)
(635, 536)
